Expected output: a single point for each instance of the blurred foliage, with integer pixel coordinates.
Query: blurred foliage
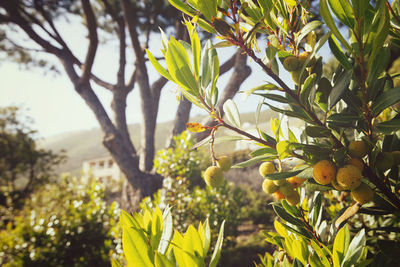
(23, 166)
(64, 224)
(181, 160)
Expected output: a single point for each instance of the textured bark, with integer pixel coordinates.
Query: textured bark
(240, 73)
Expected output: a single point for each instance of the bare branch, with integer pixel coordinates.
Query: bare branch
(132, 80)
(227, 65)
(93, 40)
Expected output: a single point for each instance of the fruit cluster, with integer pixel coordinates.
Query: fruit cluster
(214, 175)
(283, 188)
(293, 64)
(349, 176)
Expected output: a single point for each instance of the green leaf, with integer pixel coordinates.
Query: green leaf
(340, 246)
(380, 63)
(385, 100)
(208, 8)
(232, 113)
(326, 15)
(292, 210)
(218, 247)
(156, 228)
(253, 161)
(196, 48)
(306, 88)
(321, 255)
(389, 127)
(307, 29)
(317, 131)
(158, 66)
(355, 249)
(343, 11)
(283, 175)
(274, 97)
(262, 151)
(136, 248)
(227, 138)
(178, 4)
(192, 242)
(341, 85)
(207, 236)
(283, 149)
(338, 53)
(161, 260)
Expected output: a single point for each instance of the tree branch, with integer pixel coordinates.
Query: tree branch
(93, 40)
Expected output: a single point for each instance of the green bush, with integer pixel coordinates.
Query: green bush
(64, 224)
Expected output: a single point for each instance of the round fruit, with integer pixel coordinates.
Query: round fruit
(356, 162)
(225, 163)
(396, 157)
(291, 63)
(349, 177)
(303, 57)
(296, 76)
(293, 199)
(269, 187)
(214, 176)
(357, 149)
(362, 194)
(266, 168)
(324, 172)
(278, 195)
(286, 189)
(296, 181)
(384, 161)
(280, 182)
(337, 186)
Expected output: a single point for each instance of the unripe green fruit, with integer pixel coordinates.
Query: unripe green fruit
(357, 149)
(269, 187)
(349, 177)
(362, 194)
(384, 161)
(291, 63)
(214, 176)
(266, 168)
(225, 163)
(286, 189)
(396, 157)
(303, 57)
(296, 77)
(293, 199)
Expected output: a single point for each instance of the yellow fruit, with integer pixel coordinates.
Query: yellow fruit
(225, 163)
(280, 182)
(357, 149)
(266, 168)
(337, 186)
(349, 177)
(278, 195)
(384, 161)
(296, 76)
(269, 187)
(296, 181)
(293, 199)
(324, 172)
(286, 189)
(214, 176)
(303, 57)
(291, 63)
(362, 194)
(396, 157)
(356, 162)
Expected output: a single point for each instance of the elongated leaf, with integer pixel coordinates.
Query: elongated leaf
(156, 228)
(338, 53)
(355, 249)
(317, 131)
(340, 246)
(283, 149)
(196, 48)
(321, 255)
(232, 113)
(263, 151)
(167, 231)
(253, 161)
(192, 242)
(274, 97)
(326, 15)
(136, 248)
(203, 142)
(207, 237)
(306, 89)
(227, 138)
(161, 260)
(389, 127)
(218, 247)
(339, 88)
(385, 100)
(343, 11)
(158, 66)
(178, 4)
(283, 175)
(307, 29)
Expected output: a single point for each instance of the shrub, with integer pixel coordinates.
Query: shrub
(64, 224)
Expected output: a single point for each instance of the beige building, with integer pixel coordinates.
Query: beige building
(104, 169)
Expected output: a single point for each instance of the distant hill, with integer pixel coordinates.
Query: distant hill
(87, 144)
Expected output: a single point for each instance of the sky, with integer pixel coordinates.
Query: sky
(56, 108)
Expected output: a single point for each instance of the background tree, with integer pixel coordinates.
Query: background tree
(130, 22)
(23, 167)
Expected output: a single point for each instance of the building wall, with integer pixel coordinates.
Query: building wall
(104, 169)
